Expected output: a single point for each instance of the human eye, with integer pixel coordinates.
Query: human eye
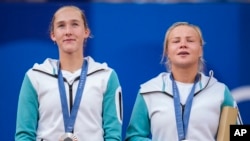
(190, 40)
(75, 24)
(175, 41)
(60, 25)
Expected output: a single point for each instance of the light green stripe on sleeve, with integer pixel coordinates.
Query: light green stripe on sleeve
(228, 98)
(27, 113)
(139, 126)
(111, 121)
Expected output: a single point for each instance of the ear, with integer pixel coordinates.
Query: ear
(52, 36)
(87, 33)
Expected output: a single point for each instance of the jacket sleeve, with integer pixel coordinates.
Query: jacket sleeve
(112, 110)
(230, 101)
(139, 125)
(27, 112)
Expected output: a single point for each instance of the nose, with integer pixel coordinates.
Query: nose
(183, 44)
(68, 31)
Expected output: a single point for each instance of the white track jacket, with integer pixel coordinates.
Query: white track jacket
(153, 117)
(40, 118)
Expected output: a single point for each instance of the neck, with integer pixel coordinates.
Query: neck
(71, 63)
(185, 75)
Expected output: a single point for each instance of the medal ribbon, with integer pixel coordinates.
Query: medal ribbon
(182, 119)
(69, 118)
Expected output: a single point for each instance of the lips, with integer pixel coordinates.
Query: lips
(68, 40)
(183, 53)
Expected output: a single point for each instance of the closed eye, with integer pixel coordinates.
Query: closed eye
(176, 41)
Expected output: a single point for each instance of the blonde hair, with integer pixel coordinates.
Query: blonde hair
(165, 59)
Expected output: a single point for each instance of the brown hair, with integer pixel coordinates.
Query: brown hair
(51, 27)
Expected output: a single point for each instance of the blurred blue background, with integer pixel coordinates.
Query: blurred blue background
(129, 37)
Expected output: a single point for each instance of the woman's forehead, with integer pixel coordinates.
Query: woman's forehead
(68, 12)
(183, 29)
